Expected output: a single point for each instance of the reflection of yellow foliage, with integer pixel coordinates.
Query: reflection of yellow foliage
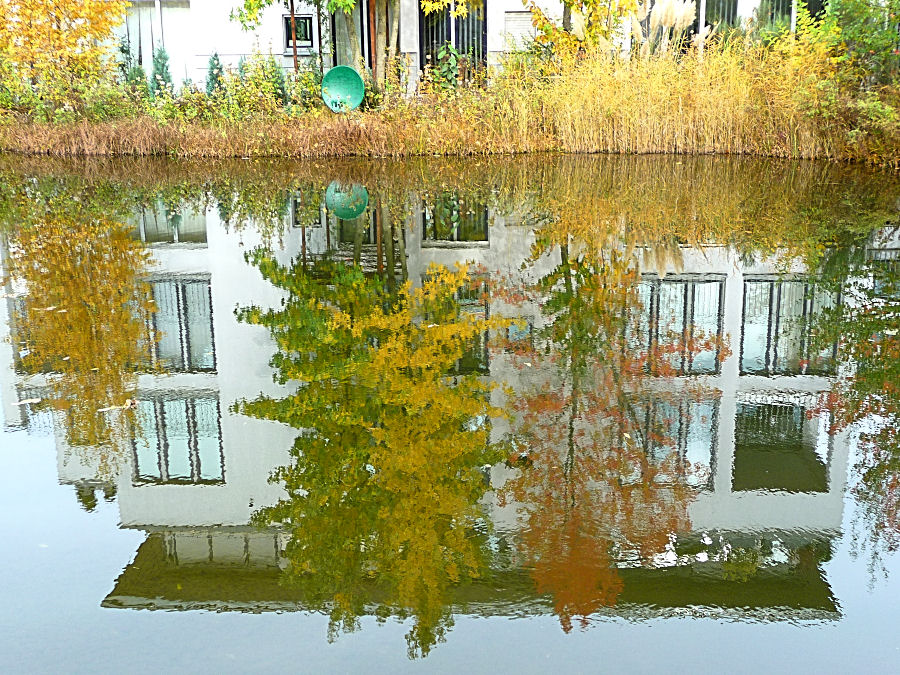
(383, 494)
(84, 318)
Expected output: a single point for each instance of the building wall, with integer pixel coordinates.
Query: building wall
(193, 30)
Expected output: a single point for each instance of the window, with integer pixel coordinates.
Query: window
(777, 321)
(687, 429)
(775, 448)
(183, 320)
(518, 29)
(473, 301)
(678, 309)
(447, 217)
(178, 440)
(160, 225)
(304, 26)
(723, 12)
(468, 34)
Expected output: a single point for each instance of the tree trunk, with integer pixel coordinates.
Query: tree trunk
(319, 23)
(567, 17)
(353, 35)
(378, 63)
(394, 38)
(371, 31)
(294, 36)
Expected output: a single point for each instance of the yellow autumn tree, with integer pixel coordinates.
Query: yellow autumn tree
(53, 44)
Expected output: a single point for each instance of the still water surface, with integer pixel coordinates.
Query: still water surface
(575, 413)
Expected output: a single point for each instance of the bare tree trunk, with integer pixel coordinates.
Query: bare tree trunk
(353, 35)
(319, 23)
(378, 63)
(371, 27)
(394, 38)
(567, 17)
(294, 35)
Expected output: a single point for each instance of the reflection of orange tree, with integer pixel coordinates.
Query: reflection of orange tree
(599, 483)
(382, 495)
(83, 322)
(864, 326)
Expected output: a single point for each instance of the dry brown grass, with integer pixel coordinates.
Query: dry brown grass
(738, 99)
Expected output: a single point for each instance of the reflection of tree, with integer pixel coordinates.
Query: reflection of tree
(83, 321)
(382, 493)
(865, 328)
(600, 483)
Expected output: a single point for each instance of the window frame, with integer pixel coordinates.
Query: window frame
(299, 19)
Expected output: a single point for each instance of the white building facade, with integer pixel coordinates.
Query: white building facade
(191, 31)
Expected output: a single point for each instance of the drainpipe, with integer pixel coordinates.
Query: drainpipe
(162, 38)
(701, 25)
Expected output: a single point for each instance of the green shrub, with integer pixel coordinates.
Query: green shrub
(869, 35)
(161, 80)
(215, 77)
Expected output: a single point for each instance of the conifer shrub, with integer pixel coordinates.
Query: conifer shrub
(161, 79)
(215, 76)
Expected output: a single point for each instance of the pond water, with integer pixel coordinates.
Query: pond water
(549, 412)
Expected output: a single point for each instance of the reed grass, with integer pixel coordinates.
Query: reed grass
(737, 99)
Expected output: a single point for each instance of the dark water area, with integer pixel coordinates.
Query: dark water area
(554, 412)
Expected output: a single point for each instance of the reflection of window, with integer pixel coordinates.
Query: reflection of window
(304, 26)
(776, 449)
(183, 319)
(778, 317)
(449, 217)
(474, 301)
(520, 336)
(161, 225)
(178, 441)
(686, 429)
(886, 277)
(677, 311)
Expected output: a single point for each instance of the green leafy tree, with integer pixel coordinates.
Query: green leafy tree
(868, 32)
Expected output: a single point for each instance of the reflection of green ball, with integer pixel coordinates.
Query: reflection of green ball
(346, 201)
(342, 89)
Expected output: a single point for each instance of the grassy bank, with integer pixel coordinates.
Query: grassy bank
(738, 97)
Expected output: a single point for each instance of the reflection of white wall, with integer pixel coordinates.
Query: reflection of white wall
(251, 447)
(12, 414)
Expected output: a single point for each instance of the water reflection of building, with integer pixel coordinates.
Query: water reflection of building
(197, 471)
(190, 461)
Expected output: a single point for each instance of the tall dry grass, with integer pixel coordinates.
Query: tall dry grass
(739, 98)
